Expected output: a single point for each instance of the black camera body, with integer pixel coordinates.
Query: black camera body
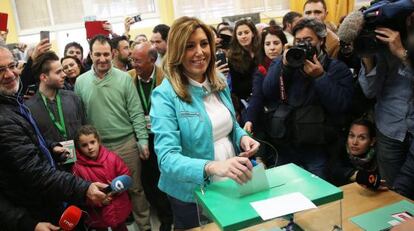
(297, 55)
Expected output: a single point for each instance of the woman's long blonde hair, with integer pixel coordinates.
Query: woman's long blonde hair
(180, 32)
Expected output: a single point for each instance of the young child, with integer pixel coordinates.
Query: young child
(96, 163)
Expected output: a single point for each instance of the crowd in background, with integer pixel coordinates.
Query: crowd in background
(193, 104)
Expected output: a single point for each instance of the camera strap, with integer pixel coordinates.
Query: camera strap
(283, 96)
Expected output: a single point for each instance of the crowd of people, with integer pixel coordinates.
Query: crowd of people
(193, 105)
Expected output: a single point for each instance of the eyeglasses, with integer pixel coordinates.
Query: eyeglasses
(12, 66)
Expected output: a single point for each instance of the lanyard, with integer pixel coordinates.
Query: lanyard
(61, 124)
(146, 101)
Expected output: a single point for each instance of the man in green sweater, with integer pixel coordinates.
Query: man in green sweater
(113, 106)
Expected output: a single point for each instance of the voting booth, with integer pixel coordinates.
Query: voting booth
(289, 191)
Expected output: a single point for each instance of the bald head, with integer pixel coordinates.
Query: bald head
(144, 57)
(9, 74)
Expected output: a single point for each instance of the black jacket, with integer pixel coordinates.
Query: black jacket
(31, 191)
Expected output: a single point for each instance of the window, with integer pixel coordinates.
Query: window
(55, 15)
(211, 11)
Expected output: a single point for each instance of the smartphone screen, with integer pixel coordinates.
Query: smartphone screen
(137, 18)
(221, 57)
(31, 89)
(45, 35)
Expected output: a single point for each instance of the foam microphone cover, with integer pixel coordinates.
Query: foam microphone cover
(121, 183)
(70, 218)
(351, 27)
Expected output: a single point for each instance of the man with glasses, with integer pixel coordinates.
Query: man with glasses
(308, 99)
(32, 191)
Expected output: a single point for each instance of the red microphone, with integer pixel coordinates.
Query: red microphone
(70, 218)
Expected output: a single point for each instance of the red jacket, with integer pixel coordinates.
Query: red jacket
(104, 169)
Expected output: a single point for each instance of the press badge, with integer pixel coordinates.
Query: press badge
(70, 146)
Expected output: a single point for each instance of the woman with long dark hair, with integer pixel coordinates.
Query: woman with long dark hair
(243, 63)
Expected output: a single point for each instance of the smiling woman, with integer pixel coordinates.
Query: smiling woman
(197, 137)
(72, 68)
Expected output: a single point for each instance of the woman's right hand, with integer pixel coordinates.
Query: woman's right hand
(237, 168)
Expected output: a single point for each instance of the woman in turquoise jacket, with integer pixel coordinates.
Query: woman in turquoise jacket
(196, 134)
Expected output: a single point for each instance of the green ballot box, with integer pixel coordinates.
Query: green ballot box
(386, 217)
(222, 202)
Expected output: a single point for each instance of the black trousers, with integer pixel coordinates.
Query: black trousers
(150, 176)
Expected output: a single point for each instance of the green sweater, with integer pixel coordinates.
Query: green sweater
(113, 106)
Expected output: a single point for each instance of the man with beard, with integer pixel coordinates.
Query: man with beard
(159, 41)
(113, 106)
(121, 53)
(32, 191)
(57, 112)
(307, 100)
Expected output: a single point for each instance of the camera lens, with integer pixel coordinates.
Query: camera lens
(295, 57)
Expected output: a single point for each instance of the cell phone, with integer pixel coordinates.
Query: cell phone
(137, 18)
(221, 57)
(31, 89)
(44, 35)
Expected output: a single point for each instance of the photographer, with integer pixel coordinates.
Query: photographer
(404, 182)
(386, 77)
(305, 101)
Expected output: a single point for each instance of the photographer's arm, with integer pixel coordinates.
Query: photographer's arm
(335, 87)
(271, 81)
(393, 39)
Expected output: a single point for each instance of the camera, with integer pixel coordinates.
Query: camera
(382, 13)
(137, 18)
(297, 55)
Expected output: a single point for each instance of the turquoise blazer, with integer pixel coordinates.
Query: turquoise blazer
(184, 138)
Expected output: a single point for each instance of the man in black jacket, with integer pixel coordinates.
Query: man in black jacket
(32, 191)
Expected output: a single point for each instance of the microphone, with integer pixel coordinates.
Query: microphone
(70, 218)
(119, 184)
(351, 27)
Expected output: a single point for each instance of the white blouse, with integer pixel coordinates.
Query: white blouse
(221, 122)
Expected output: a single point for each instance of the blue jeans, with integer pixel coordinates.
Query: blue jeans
(313, 159)
(391, 155)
